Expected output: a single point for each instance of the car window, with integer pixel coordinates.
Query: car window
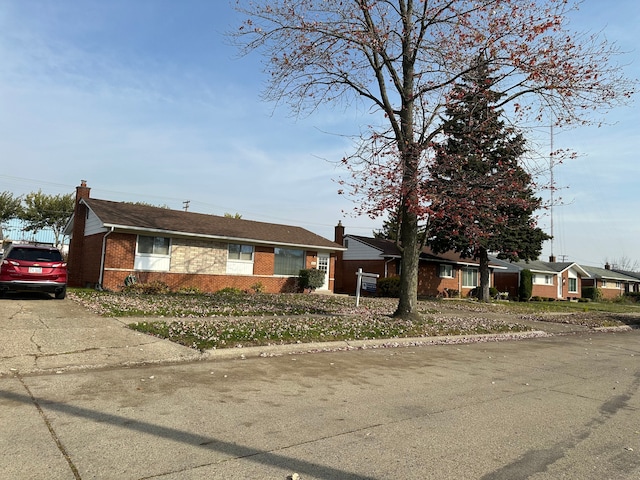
(34, 255)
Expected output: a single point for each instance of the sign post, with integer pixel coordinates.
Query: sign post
(366, 282)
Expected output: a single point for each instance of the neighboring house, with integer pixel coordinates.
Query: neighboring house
(557, 280)
(612, 284)
(111, 241)
(438, 275)
(635, 287)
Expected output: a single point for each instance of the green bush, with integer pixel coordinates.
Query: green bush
(525, 289)
(475, 293)
(633, 296)
(592, 293)
(230, 291)
(388, 287)
(311, 278)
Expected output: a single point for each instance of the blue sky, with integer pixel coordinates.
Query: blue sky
(146, 101)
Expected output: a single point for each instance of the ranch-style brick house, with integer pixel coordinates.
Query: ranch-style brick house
(557, 280)
(110, 241)
(611, 283)
(439, 275)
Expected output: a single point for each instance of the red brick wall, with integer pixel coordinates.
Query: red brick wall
(121, 251)
(545, 291)
(120, 257)
(350, 267)
(263, 261)
(114, 280)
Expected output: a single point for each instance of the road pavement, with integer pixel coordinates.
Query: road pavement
(564, 406)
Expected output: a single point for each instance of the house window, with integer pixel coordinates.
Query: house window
(469, 277)
(152, 254)
(604, 283)
(153, 245)
(446, 271)
(288, 261)
(539, 279)
(573, 285)
(240, 252)
(240, 259)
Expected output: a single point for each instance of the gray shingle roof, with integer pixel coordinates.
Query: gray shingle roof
(135, 217)
(607, 274)
(388, 248)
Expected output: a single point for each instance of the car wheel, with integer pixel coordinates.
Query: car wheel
(61, 294)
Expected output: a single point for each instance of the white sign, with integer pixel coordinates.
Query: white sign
(366, 282)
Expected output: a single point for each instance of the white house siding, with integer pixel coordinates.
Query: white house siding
(198, 256)
(360, 251)
(93, 225)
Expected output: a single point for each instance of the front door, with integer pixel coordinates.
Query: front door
(323, 264)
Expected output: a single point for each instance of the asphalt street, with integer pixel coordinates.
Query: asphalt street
(564, 406)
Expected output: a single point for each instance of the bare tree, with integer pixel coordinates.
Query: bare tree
(624, 264)
(402, 58)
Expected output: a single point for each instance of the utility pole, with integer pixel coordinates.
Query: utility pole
(552, 188)
(186, 205)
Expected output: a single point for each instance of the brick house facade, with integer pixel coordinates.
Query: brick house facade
(554, 280)
(111, 241)
(438, 275)
(610, 283)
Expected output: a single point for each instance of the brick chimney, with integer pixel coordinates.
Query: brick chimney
(339, 233)
(338, 237)
(607, 266)
(76, 244)
(552, 259)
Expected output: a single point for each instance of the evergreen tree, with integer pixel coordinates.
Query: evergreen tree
(390, 228)
(483, 199)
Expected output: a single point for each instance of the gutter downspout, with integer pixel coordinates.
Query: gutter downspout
(386, 267)
(102, 257)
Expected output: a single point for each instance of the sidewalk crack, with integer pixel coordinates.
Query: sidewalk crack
(52, 432)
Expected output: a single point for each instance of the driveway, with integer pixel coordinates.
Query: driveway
(40, 334)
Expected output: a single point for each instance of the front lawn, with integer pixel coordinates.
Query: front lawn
(230, 319)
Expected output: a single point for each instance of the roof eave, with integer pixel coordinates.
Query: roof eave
(252, 241)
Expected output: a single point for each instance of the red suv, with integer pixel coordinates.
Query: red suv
(33, 268)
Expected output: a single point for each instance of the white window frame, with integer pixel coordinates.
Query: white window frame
(542, 279)
(243, 250)
(469, 271)
(156, 261)
(445, 271)
(575, 282)
(240, 266)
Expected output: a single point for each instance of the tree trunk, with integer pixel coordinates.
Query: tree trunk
(484, 295)
(408, 303)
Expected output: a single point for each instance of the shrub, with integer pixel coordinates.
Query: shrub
(311, 278)
(592, 293)
(525, 289)
(633, 296)
(388, 287)
(230, 291)
(257, 287)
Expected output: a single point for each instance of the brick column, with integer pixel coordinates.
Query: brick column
(76, 245)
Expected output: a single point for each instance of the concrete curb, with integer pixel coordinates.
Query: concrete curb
(317, 347)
